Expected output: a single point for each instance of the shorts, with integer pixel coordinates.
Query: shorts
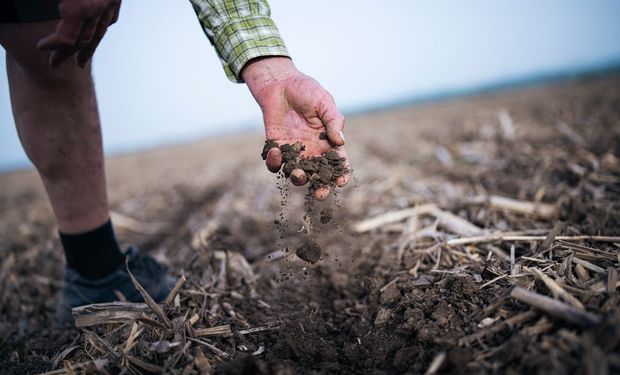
(19, 11)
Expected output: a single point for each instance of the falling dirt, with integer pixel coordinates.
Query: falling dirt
(326, 215)
(309, 251)
(321, 170)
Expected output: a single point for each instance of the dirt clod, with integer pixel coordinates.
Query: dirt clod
(390, 294)
(405, 357)
(321, 170)
(309, 251)
(383, 316)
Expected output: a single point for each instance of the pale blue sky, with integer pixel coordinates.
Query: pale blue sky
(159, 81)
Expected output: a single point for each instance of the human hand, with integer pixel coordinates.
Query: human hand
(296, 109)
(82, 25)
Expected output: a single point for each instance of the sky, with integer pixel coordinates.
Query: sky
(159, 80)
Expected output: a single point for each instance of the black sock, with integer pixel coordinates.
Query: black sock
(93, 254)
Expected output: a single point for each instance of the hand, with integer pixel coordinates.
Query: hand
(82, 26)
(295, 109)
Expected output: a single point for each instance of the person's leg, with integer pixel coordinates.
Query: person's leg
(57, 121)
(56, 116)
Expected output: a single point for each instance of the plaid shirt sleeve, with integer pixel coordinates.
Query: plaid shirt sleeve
(240, 30)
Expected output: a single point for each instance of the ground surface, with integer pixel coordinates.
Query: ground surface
(424, 290)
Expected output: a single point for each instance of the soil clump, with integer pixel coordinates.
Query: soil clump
(309, 251)
(321, 170)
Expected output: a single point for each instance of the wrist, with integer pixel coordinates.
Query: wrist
(262, 72)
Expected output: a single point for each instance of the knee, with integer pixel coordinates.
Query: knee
(26, 61)
(35, 67)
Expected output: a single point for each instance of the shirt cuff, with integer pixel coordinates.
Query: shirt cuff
(242, 39)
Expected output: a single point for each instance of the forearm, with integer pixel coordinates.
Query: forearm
(224, 21)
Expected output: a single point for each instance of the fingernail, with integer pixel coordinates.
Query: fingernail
(341, 135)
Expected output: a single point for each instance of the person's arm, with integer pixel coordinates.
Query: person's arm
(295, 107)
(240, 30)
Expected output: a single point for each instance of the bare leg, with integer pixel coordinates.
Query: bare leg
(57, 121)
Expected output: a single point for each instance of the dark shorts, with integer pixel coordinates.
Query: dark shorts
(17, 11)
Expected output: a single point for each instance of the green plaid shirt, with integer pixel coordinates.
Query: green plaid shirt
(240, 30)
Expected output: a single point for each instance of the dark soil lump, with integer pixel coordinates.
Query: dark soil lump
(321, 170)
(310, 252)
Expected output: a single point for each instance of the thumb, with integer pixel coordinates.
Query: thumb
(333, 121)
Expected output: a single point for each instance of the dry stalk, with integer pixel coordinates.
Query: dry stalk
(588, 265)
(223, 330)
(537, 210)
(612, 280)
(258, 329)
(148, 299)
(213, 348)
(555, 288)
(555, 308)
(392, 217)
(110, 312)
(436, 363)
(501, 236)
(179, 284)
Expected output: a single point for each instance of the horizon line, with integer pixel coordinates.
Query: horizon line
(542, 78)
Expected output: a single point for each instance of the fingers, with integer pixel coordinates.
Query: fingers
(117, 11)
(274, 160)
(298, 177)
(80, 30)
(60, 56)
(334, 123)
(322, 192)
(343, 180)
(62, 41)
(86, 53)
(63, 54)
(66, 35)
(88, 32)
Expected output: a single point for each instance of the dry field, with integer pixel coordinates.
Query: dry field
(480, 235)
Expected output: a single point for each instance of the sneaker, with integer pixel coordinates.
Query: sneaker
(78, 290)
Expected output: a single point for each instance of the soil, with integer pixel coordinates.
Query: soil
(326, 215)
(309, 251)
(321, 170)
(394, 299)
